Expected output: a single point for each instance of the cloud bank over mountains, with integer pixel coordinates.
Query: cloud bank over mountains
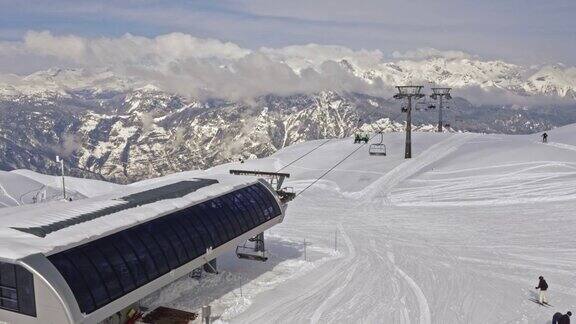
(208, 68)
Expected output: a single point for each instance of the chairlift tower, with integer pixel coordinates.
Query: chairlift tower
(440, 94)
(408, 92)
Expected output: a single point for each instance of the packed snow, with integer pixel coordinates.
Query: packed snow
(23, 187)
(457, 234)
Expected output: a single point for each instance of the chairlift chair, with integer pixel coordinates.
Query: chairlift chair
(286, 194)
(253, 249)
(359, 138)
(378, 148)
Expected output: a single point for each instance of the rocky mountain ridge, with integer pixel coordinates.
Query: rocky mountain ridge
(124, 136)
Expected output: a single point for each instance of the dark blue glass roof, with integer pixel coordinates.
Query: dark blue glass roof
(105, 269)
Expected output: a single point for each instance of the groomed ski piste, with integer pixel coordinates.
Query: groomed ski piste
(457, 234)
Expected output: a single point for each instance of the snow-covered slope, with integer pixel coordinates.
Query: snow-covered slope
(458, 234)
(23, 187)
(84, 187)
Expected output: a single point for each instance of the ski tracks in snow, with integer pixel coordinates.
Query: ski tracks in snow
(562, 146)
(338, 291)
(5, 193)
(383, 186)
(321, 289)
(425, 317)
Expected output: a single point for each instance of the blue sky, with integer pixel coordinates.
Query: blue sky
(522, 31)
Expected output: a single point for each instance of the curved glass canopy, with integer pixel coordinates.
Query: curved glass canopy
(105, 269)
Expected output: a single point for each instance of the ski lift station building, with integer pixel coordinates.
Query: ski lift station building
(86, 260)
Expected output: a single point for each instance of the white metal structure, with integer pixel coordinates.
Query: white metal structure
(83, 261)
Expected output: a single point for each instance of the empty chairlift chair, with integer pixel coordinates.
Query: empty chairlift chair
(378, 148)
(253, 249)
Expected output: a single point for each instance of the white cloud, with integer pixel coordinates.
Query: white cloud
(129, 49)
(313, 55)
(200, 67)
(205, 67)
(64, 47)
(426, 53)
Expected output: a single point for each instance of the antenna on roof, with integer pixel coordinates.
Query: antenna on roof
(61, 161)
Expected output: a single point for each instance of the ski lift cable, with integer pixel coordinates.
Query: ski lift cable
(333, 167)
(305, 154)
(315, 148)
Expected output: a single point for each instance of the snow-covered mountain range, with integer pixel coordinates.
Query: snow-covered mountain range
(347, 70)
(350, 72)
(129, 126)
(135, 134)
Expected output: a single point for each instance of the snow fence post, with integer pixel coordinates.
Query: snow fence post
(305, 258)
(336, 241)
(206, 310)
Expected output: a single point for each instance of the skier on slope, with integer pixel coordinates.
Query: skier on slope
(561, 319)
(545, 138)
(543, 286)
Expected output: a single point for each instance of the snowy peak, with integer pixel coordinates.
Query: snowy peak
(292, 71)
(553, 80)
(455, 73)
(64, 82)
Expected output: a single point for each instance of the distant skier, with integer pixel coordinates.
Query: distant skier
(543, 286)
(545, 138)
(558, 318)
